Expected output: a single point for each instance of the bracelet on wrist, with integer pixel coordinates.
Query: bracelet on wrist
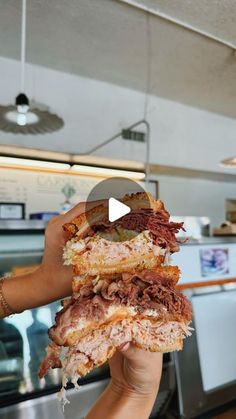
(4, 306)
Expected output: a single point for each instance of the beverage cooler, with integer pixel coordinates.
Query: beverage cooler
(206, 368)
(23, 338)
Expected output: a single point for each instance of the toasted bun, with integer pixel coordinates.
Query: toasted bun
(101, 266)
(79, 225)
(100, 344)
(171, 273)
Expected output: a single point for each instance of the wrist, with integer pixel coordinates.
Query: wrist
(46, 285)
(140, 400)
(55, 284)
(128, 391)
(119, 402)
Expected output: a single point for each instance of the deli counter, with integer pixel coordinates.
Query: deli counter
(206, 368)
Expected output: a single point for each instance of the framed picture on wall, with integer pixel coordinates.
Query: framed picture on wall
(12, 211)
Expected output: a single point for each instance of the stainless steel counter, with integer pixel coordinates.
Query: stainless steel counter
(48, 407)
(19, 225)
(211, 240)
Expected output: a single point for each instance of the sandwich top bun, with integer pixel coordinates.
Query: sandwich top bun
(81, 224)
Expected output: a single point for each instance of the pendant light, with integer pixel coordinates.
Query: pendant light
(22, 118)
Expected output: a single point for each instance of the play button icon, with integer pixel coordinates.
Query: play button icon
(116, 209)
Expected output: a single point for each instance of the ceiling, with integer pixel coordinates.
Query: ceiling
(216, 17)
(108, 39)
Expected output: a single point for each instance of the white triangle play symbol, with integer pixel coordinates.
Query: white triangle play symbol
(116, 209)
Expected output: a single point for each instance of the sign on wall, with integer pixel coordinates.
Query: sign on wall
(42, 191)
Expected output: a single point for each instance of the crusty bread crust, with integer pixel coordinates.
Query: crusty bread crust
(177, 345)
(169, 272)
(80, 224)
(83, 221)
(102, 267)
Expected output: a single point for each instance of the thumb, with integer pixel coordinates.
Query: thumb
(139, 356)
(132, 352)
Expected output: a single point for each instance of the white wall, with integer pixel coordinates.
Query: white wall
(197, 197)
(94, 110)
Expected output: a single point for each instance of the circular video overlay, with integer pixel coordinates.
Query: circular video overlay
(117, 218)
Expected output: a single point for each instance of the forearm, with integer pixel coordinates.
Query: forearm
(32, 290)
(120, 404)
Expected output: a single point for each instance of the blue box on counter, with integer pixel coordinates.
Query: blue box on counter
(45, 216)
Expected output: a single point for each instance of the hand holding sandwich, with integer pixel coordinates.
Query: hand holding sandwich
(135, 380)
(52, 280)
(123, 291)
(135, 370)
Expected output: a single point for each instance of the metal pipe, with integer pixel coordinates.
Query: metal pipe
(178, 22)
(119, 134)
(23, 45)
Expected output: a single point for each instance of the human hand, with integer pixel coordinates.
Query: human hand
(52, 280)
(52, 270)
(135, 370)
(135, 380)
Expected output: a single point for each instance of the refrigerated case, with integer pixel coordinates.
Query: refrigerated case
(23, 338)
(206, 368)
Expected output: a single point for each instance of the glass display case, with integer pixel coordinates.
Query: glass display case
(24, 337)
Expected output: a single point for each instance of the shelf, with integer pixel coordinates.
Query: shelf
(22, 225)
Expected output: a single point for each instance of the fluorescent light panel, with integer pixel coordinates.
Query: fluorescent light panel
(78, 169)
(37, 164)
(104, 172)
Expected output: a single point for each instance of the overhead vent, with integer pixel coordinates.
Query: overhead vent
(128, 134)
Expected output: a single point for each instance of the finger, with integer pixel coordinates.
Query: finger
(115, 362)
(80, 209)
(138, 355)
(124, 347)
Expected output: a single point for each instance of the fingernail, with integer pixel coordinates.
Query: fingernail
(124, 347)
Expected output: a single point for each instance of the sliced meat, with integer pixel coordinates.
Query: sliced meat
(93, 307)
(151, 277)
(157, 222)
(52, 359)
(161, 229)
(144, 290)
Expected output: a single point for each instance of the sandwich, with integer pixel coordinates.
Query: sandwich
(123, 289)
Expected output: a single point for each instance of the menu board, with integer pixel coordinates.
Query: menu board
(47, 191)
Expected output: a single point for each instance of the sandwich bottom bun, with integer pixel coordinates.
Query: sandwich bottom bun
(99, 345)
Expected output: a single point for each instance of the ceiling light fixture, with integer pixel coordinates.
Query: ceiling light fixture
(105, 172)
(21, 163)
(22, 118)
(15, 162)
